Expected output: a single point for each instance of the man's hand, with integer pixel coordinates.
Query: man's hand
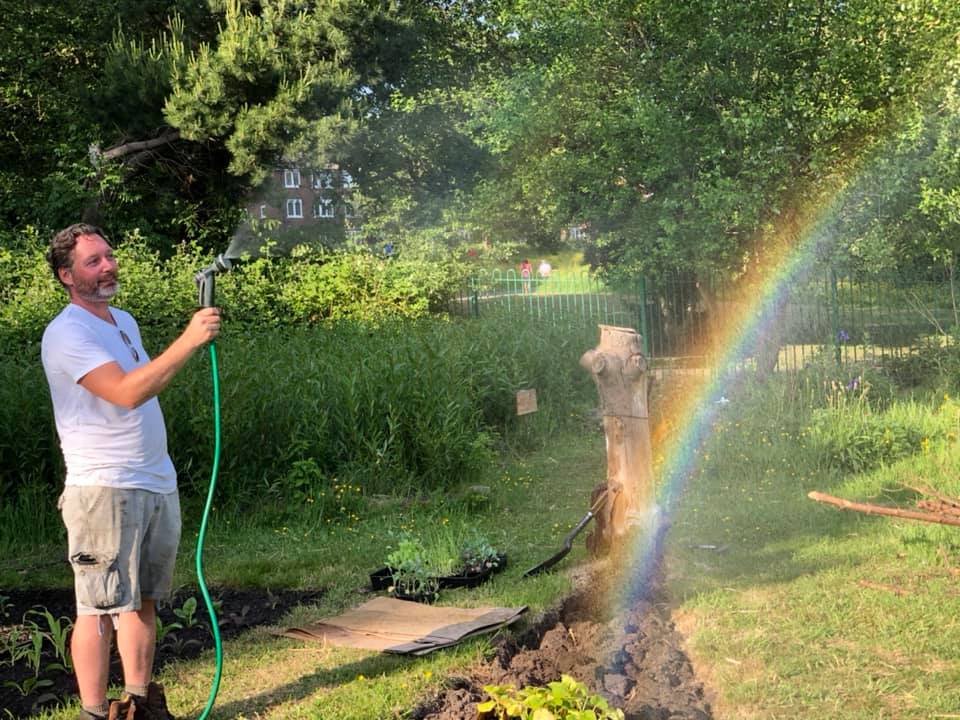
(204, 326)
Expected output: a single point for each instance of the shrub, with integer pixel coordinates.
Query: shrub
(852, 437)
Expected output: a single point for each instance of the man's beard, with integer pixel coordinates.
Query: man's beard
(96, 291)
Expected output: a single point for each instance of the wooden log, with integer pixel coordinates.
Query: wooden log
(882, 510)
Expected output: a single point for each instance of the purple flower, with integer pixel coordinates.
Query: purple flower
(843, 336)
(854, 384)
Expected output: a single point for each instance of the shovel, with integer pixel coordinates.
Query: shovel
(568, 540)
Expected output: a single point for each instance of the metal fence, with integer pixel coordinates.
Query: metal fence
(852, 318)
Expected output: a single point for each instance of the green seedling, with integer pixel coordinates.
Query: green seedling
(477, 553)
(32, 650)
(57, 632)
(178, 645)
(164, 629)
(566, 699)
(29, 685)
(410, 572)
(187, 612)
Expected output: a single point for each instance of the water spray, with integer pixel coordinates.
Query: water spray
(206, 286)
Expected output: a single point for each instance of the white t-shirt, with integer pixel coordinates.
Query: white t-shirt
(103, 443)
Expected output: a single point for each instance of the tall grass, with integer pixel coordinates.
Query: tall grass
(396, 408)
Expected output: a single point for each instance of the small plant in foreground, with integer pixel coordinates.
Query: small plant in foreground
(187, 613)
(57, 631)
(29, 685)
(410, 571)
(164, 629)
(566, 699)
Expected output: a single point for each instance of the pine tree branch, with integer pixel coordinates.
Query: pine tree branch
(138, 146)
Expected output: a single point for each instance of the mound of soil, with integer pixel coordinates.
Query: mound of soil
(635, 660)
(236, 610)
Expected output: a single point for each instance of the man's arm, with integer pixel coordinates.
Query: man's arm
(132, 389)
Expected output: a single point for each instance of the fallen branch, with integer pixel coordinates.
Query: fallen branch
(924, 490)
(880, 586)
(882, 510)
(938, 507)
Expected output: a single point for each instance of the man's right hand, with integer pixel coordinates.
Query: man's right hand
(204, 326)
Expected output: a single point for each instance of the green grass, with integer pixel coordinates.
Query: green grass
(806, 611)
(792, 609)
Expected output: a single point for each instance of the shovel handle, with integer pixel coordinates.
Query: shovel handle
(577, 528)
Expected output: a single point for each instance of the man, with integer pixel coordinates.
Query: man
(120, 504)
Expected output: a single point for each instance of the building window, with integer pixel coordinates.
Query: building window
(348, 210)
(346, 180)
(263, 212)
(291, 178)
(323, 208)
(323, 180)
(294, 208)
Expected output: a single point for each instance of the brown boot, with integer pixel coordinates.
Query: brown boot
(153, 706)
(123, 709)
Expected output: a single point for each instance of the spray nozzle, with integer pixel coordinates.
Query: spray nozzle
(205, 279)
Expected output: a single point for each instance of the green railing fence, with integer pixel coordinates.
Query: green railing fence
(852, 317)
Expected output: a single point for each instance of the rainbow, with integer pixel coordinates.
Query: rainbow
(692, 417)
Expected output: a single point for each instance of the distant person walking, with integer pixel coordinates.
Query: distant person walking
(526, 271)
(544, 270)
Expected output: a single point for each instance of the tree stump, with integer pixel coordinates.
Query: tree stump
(619, 369)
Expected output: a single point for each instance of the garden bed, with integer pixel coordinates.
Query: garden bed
(238, 610)
(635, 660)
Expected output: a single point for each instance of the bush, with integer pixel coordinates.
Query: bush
(853, 437)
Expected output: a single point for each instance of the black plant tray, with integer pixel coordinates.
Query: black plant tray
(473, 579)
(427, 598)
(382, 579)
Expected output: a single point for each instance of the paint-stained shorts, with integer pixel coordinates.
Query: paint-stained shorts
(122, 545)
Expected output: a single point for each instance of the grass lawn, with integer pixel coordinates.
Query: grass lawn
(791, 609)
(795, 609)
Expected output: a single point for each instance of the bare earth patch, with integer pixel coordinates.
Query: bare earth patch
(636, 661)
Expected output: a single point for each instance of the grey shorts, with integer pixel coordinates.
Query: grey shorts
(122, 545)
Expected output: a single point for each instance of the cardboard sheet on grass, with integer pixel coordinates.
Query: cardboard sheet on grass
(404, 627)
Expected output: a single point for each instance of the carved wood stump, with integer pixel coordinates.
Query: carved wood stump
(619, 369)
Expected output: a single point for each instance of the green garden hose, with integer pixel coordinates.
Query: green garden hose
(214, 625)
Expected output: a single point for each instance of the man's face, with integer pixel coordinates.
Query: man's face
(93, 274)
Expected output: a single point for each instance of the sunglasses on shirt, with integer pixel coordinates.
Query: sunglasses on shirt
(133, 350)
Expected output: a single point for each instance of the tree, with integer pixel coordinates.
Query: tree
(683, 132)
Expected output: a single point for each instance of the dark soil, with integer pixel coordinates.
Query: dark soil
(236, 610)
(636, 661)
